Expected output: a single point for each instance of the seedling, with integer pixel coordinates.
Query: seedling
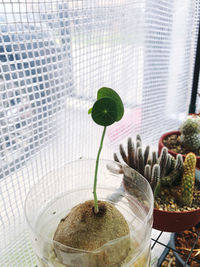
(106, 110)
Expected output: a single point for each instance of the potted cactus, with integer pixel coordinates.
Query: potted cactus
(176, 192)
(186, 140)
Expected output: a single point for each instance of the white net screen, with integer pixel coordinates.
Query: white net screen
(54, 55)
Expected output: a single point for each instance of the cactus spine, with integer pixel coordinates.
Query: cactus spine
(188, 179)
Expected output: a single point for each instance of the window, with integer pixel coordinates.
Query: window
(32, 82)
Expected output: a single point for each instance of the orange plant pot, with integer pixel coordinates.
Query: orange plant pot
(175, 221)
(161, 145)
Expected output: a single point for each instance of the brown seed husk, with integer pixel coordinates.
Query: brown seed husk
(85, 230)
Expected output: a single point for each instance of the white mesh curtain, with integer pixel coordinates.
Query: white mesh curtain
(54, 55)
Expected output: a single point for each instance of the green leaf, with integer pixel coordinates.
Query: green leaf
(90, 111)
(104, 111)
(108, 92)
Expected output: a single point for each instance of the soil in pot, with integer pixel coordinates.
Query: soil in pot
(184, 242)
(173, 143)
(84, 229)
(168, 199)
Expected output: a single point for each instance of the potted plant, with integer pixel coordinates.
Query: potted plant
(176, 192)
(186, 140)
(70, 228)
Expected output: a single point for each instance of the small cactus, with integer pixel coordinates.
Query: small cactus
(155, 180)
(123, 154)
(146, 154)
(190, 126)
(163, 161)
(147, 165)
(170, 165)
(190, 134)
(188, 179)
(131, 153)
(140, 161)
(136, 158)
(154, 158)
(164, 173)
(191, 142)
(175, 174)
(179, 167)
(147, 172)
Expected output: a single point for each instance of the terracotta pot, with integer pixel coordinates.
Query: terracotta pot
(175, 221)
(161, 145)
(194, 114)
(171, 221)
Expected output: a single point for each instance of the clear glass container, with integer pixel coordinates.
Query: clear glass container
(57, 193)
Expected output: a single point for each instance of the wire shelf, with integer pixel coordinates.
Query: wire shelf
(170, 252)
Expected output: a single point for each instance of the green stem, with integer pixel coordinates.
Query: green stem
(96, 208)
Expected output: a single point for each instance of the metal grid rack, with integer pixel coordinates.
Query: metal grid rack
(169, 246)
